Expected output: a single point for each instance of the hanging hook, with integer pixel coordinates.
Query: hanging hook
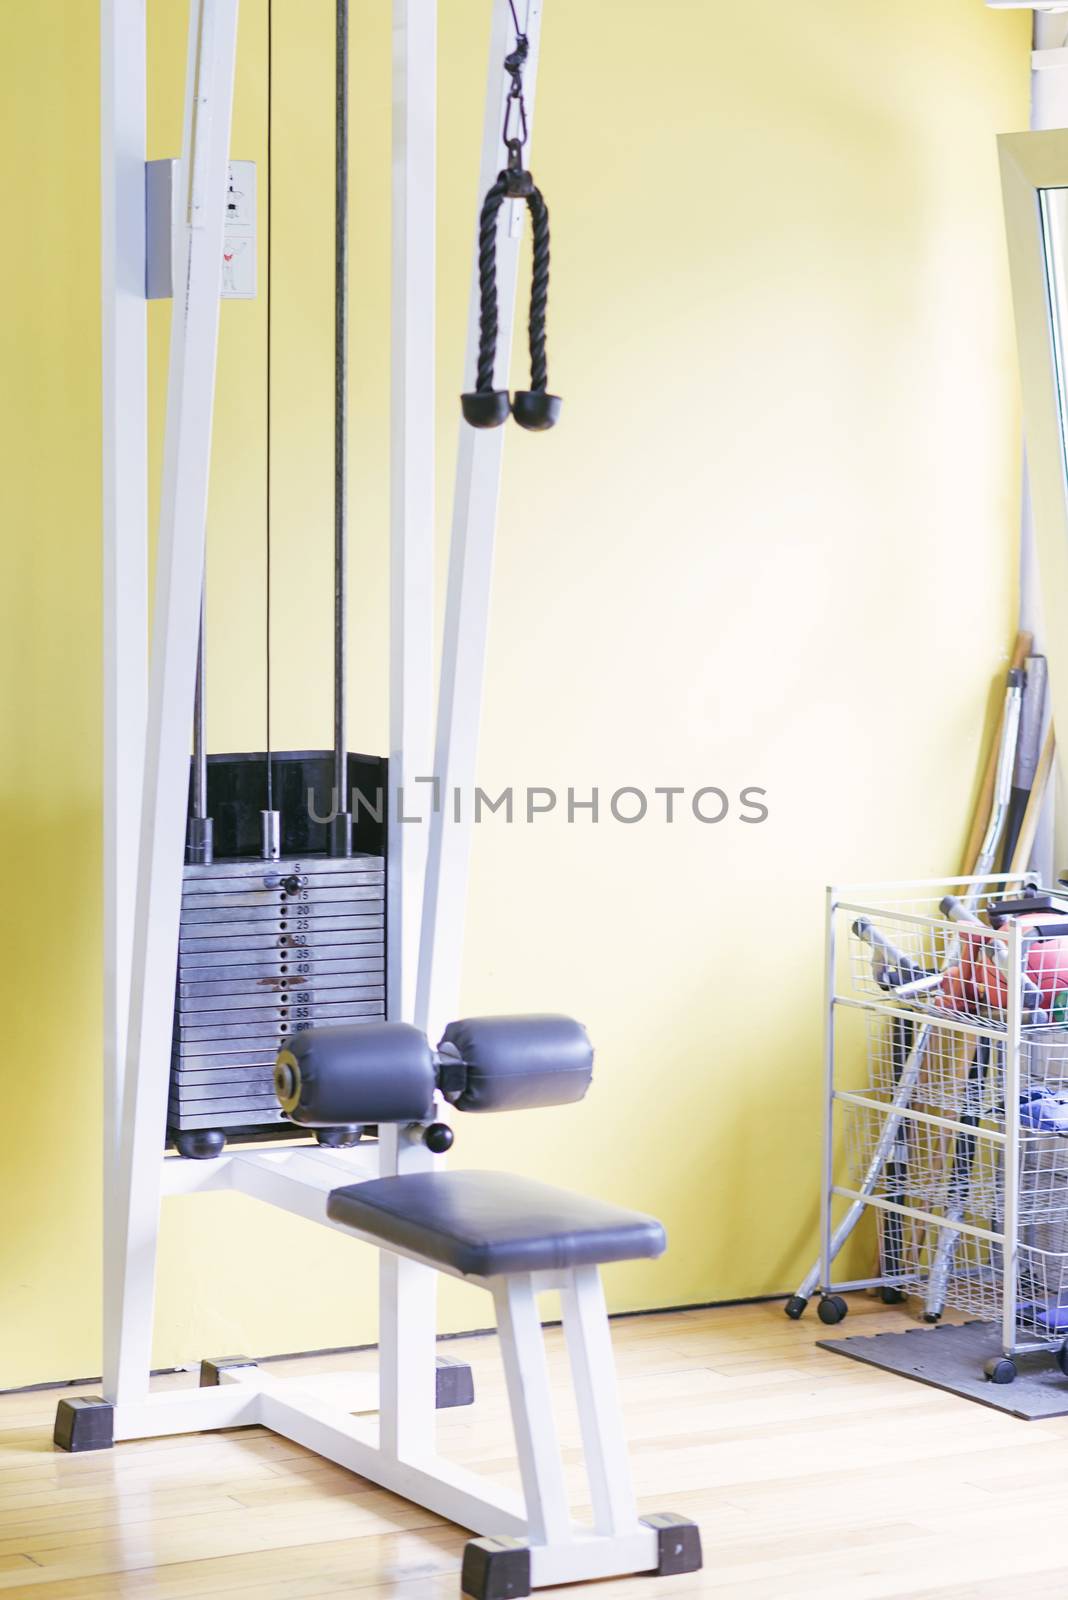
(485, 406)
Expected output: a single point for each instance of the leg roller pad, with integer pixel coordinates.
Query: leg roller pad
(210, 1370)
(678, 1543)
(454, 1384)
(495, 1569)
(86, 1424)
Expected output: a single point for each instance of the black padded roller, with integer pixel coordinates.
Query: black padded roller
(364, 1072)
(514, 1063)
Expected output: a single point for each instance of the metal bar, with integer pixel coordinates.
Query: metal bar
(596, 1395)
(960, 1173)
(408, 1290)
(341, 822)
(907, 1113)
(179, 581)
(124, 415)
(931, 1217)
(200, 744)
(944, 1023)
(200, 844)
(1012, 1145)
(818, 1274)
(442, 1486)
(914, 918)
(474, 523)
(530, 1398)
(826, 1251)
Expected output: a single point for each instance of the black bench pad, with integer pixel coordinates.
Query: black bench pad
(483, 1224)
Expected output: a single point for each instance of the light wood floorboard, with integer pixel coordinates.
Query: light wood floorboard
(810, 1476)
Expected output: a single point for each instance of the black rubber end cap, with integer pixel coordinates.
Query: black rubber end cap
(795, 1307)
(210, 1370)
(454, 1384)
(85, 1424)
(495, 1569)
(535, 410)
(678, 1543)
(339, 1138)
(202, 1144)
(486, 408)
(438, 1137)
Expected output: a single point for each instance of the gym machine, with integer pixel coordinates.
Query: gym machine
(208, 867)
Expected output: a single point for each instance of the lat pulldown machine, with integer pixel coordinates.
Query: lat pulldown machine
(223, 917)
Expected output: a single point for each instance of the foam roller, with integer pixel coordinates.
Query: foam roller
(514, 1063)
(368, 1072)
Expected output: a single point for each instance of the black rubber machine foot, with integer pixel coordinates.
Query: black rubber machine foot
(202, 1144)
(795, 1307)
(84, 1424)
(678, 1543)
(210, 1371)
(495, 1569)
(454, 1384)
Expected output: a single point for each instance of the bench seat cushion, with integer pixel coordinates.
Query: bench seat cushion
(483, 1224)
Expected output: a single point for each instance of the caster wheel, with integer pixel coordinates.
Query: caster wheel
(831, 1309)
(795, 1307)
(892, 1297)
(1062, 1358)
(1000, 1369)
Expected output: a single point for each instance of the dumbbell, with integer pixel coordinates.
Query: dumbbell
(380, 1072)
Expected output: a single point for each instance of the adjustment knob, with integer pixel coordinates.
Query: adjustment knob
(291, 885)
(438, 1137)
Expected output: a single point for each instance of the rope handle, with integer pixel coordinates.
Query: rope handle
(533, 408)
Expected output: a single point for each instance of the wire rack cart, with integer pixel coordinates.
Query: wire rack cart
(946, 1106)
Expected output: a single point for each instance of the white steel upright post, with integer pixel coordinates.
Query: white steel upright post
(827, 1191)
(175, 631)
(408, 1291)
(124, 415)
(1010, 1220)
(474, 525)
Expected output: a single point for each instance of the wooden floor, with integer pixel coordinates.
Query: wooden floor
(809, 1474)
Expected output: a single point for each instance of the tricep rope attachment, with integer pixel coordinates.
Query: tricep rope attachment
(485, 406)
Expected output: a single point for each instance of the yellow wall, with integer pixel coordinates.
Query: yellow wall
(772, 543)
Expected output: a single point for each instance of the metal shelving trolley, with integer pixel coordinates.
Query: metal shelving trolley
(946, 1108)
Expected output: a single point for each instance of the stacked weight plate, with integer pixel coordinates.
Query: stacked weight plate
(267, 949)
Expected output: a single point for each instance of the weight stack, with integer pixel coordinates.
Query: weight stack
(269, 948)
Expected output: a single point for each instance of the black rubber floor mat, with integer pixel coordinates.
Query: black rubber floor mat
(951, 1357)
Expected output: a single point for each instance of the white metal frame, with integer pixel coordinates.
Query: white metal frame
(1032, 163)
(147, 722)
